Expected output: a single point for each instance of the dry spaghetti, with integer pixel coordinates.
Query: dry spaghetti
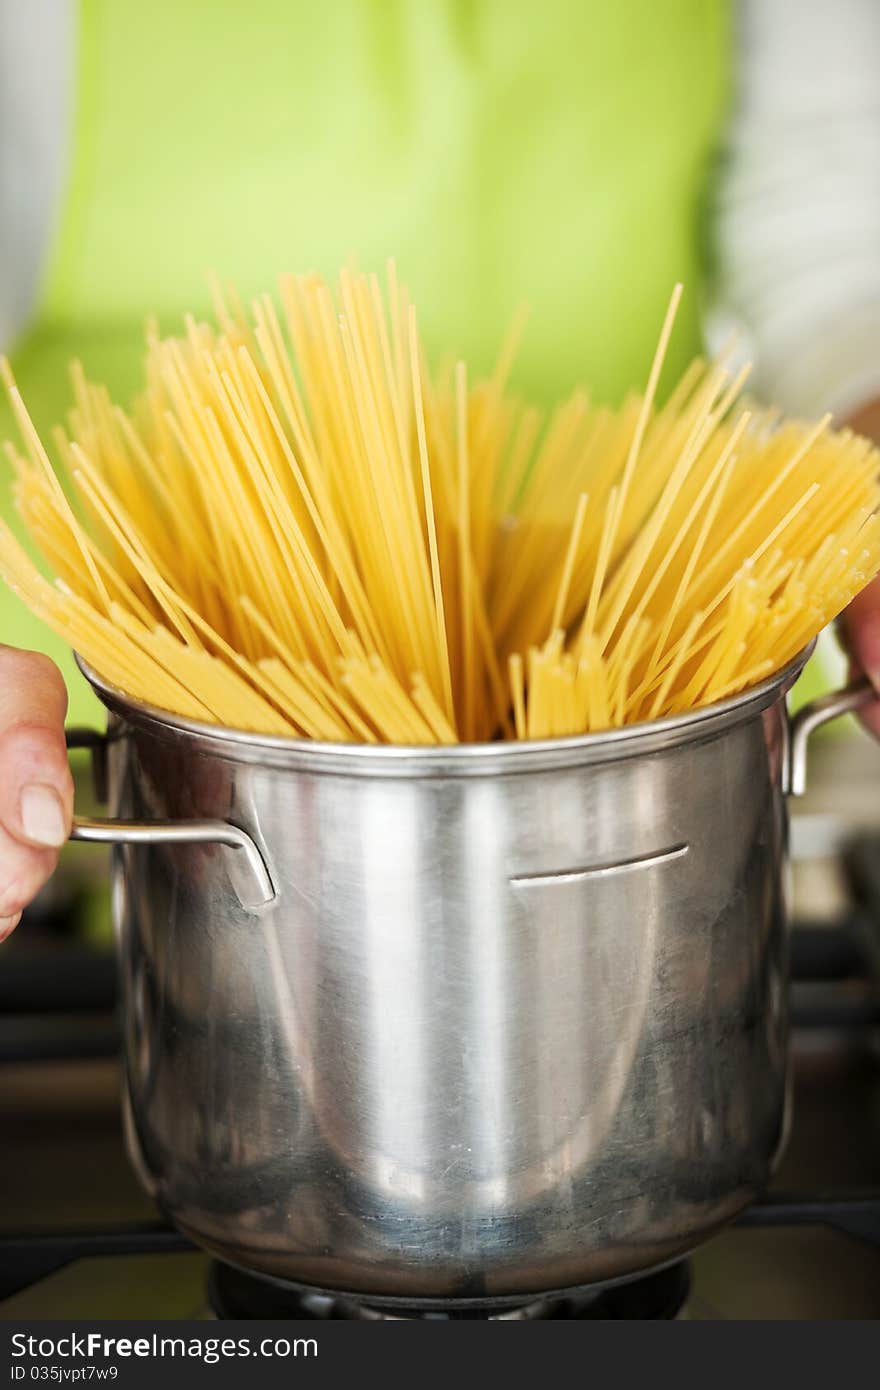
(301, 529)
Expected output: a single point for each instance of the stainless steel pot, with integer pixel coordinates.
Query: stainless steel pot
(477, 1021)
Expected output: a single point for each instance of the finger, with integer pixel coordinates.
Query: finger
(23, 871)
(8, 925)
(870, 717)
(36, 787)
(861, 629)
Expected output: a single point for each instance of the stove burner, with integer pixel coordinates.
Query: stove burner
(233, 1294)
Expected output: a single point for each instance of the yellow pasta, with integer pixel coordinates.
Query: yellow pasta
(301, 529)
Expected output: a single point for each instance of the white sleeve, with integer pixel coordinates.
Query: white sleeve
(36, 70)
(798, 203)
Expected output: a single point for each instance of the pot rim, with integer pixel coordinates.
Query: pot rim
(456, 760)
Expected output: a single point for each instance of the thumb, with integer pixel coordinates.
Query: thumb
(36, 787)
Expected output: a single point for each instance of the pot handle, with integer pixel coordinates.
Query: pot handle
(255, 888)
(812, 717)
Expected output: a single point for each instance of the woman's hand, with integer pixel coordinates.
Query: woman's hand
(36, 788)
(860, 623)
(860, 627)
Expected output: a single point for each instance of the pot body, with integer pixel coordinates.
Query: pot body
(511, 1024)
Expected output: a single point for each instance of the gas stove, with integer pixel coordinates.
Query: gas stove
(78, 1238)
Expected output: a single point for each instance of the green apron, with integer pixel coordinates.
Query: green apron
(553, 152)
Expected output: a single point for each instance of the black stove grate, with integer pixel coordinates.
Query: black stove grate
(660, 1296)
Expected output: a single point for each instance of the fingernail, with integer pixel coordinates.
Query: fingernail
(8, 924)
(42, 815)
(869, 648)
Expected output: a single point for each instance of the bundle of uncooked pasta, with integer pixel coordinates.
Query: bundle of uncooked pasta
(300, 529)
